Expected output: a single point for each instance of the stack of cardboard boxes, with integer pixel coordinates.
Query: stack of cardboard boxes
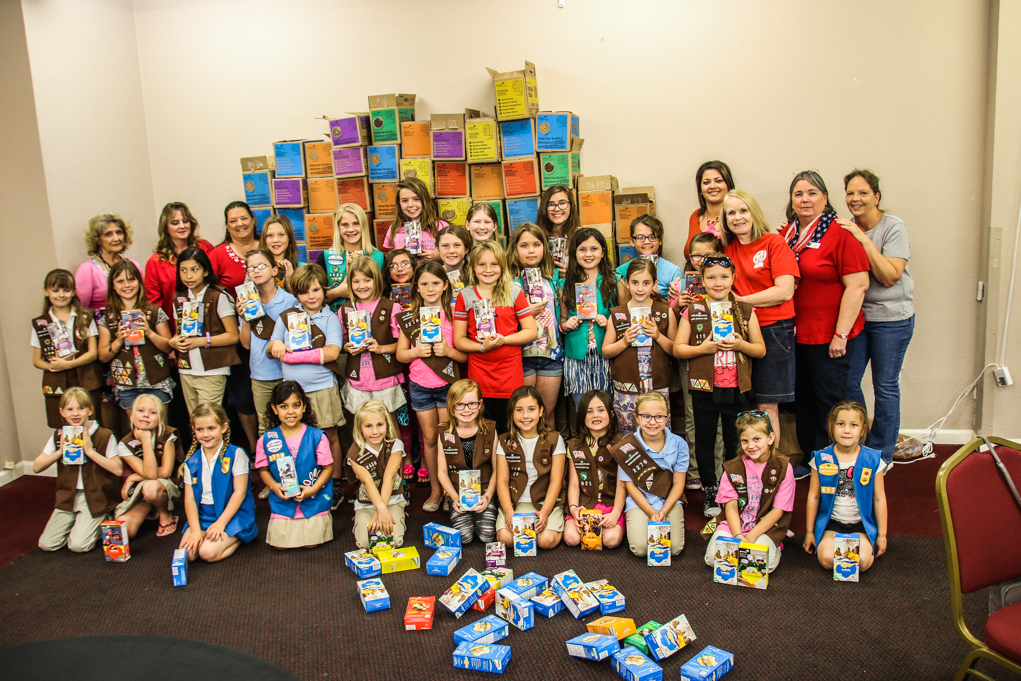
(604, 206)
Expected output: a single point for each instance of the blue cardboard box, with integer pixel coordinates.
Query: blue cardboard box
(528, 585)
(363, 563)
(518, 138)
(179, 567)
(489, 629)
(709, 665)
(578, 599)
(261, 215)
(610, 599)
(384, 163)
(297, 218)
(373, 595)
(517, 610)
(554, 130)
(846, 554)
(521, 210)
(464, 592)
(443, 562)
(440, 536)
(257, 188)
(523, 529)
(658, 537)
(632, 665)
(547, 603)
(290, 158)
(669, 638)
(592, 646)
(483, 657)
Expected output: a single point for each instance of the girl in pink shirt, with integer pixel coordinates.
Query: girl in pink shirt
(415, 227)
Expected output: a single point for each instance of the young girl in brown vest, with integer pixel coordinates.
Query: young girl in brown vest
(374, 464)
(592, 478)
(468, 442)
(86, 493)
(433, 366)
(530, 470)
(73, 364)
(153, 454)
(757, 490)
(204, 360)
(719, 371)
(652, 465)
(639, 353)
(135, 369)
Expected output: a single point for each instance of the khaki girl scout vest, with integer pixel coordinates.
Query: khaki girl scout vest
(318, 337)
(772, 475)
(102, 488)
(643, 471)
(542, 460)
(482, 460)
(212, 358)
(444, 367)
(375, 464)
(154, 362)
(624, 367)
(383, 365)
(597, 475)
(135, 447)
(700, 369)
(87, 377)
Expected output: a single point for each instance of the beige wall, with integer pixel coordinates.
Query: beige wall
(772, 88)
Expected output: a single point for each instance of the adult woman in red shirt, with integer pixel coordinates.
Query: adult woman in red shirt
(178, 229)
(827, 307)
(766, 270)
(712, 182)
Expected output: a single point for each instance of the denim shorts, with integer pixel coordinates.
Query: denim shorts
(543, 366)
(773, 375)
(424, 399)
(127, 396)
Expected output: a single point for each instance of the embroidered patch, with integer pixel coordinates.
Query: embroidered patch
(627, 448)
(699, 327)
(353, 374)
(224, 465)
(58, 391)
(648, 483)
(544, 461)
(828, 490)
(449, 370)
(621, 315)
(699, 307)
(866, 475)
(772, 479)
(700, 384)
(736, 477)
(829, 469)
(825, 458)
(47, 390)
(274, 446)
(583, 476)
(159, 359)
(134, 443)
(448, 437)
(258, 326)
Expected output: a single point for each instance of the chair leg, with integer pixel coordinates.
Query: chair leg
(966, 667)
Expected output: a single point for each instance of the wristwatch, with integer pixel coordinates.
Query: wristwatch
(841, 336)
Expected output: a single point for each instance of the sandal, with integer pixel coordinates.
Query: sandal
(168, 529)
(408, 472)
(423, 477)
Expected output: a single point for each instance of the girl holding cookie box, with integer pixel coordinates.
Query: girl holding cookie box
(351, 238)
(416, 225)
(374, 463)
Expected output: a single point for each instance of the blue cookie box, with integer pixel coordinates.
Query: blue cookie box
(592, 646)
(536, 585)
(694, 671)
(488, 657)
(443, 566)
(632, 665)
(480, 633)
(450, 537)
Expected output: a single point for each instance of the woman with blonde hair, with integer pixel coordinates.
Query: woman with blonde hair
(106, 239)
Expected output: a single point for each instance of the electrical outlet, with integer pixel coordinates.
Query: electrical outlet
(1003, 378)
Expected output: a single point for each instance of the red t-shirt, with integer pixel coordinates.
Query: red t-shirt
(757, 265)
(817, 298)
(498, 372)
(161, 278)
(228, 266)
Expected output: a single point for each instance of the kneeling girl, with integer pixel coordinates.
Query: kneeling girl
(375, 461)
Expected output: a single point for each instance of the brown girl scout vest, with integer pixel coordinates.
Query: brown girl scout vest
(700, 369)
(772, 475)
(318, 337)
(375, 465)
(384, 365)
(624, 367)
(135, 447)
(444, 367)
(482, 459)
(542, 461)
(597, 475)
(87, 377)
(102, 488)
(212, 358)
(154, 363)
(640, 467)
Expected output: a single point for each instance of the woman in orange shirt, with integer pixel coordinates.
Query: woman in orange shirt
(712, 182)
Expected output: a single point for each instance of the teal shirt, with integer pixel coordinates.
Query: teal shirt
(335, 265)
(576, 341)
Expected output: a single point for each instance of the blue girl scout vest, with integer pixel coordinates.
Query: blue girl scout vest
(275, 445)
(242, 525)
(866, 468)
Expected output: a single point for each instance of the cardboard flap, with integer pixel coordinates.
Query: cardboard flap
(447, 122)
(630, 199)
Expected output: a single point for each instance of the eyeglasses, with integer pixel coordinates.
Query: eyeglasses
(642, 238)
(400, 265)
(652, 418)
(466, 406)
(696, 256)
(561, 204)
(759, 414)
(257, 268)
(711, 260)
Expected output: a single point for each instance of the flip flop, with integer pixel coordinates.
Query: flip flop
(409, 472)
(168, 529)
(423, 478)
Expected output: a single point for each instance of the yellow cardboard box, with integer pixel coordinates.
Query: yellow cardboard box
(322, 195)
(421, 168)
(486, 181)
(481, 139)
(454, 211)
(517, 95)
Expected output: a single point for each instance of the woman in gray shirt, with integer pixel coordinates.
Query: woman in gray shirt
(889, 306)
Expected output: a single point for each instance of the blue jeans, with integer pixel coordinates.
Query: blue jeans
(883, 344)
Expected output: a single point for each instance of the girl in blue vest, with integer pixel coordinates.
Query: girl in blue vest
(294, 461)
(847, 493)
(218, 500)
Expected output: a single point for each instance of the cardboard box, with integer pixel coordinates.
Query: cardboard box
(258, 190)
(627, 207)
(254, 164)
(598, 183)
(523, 529)
(440, 536)
(384, 198)
(297, 218)
(290, 192)
(658, 537)
(499, 577)
(610, 599)
(349, 162)
(710, 664)
(443, 562)
(385, 125)
(521, 210)
(454, 211)
(463, 593)
(576, 144)
(486, 181)
(649, 191)
(380, 543)
(520, 178)
(595, 208)
(399, 560)
(501, 220)
(289, 157)
(578, 599)
(318, 162)
(725, 560)
(416, 139)
(356, 190)
(846, 555)
(517, 95)
(363, 563)
(452, 179)
(116, 546)
(179, 567)
(483, 657)
(261, 214)
(619, 627)
(489, 629)
(485, 600)
(555, 169)
(403, 102)
(631, 664)
(379, 230)
(547, 603)
(637, 639)
(517, 610)
(384, 163)
(349, 131)
(482, 139)
(419, 615)
(669, 638)
(556, 130)
(753, 565)
(447, 132)
(517, 139)
(322, 194)
(528, 585)
(373, 595)
(592, 646)
(419, 168)
(319, 231)
(496, 555)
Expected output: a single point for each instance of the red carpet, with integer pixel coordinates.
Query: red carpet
(25, 506)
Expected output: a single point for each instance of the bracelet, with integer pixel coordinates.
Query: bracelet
(209, 340)
(480, 347)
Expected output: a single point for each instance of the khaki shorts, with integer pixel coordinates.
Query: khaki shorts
(261, 392)
(555, 522)
(292, 533)
(364, 515)
(638, 530)
(199, 389)
(173, 492)
(326, 404)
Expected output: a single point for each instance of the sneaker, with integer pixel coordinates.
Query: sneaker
(693, 483)
(338, 499)
(802, 471)
(264, 494)
(710, 509)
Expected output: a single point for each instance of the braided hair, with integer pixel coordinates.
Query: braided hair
(217, 412)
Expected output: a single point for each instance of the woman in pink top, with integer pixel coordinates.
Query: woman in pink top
(106, 238)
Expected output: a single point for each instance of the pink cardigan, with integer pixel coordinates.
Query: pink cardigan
(90, 280)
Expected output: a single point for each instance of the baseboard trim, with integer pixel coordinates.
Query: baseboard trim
(22, 468)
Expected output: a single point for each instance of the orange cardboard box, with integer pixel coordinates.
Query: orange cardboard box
(627, 207)
(322, 195)
(319, 231)
(451, 179)
(416, 139)
(379, 230)
(651, 191)
(487, 181)
(520, 178)
(318, 161)
(354, 190)
(384, 196)
(595, 208)
(419, 614)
